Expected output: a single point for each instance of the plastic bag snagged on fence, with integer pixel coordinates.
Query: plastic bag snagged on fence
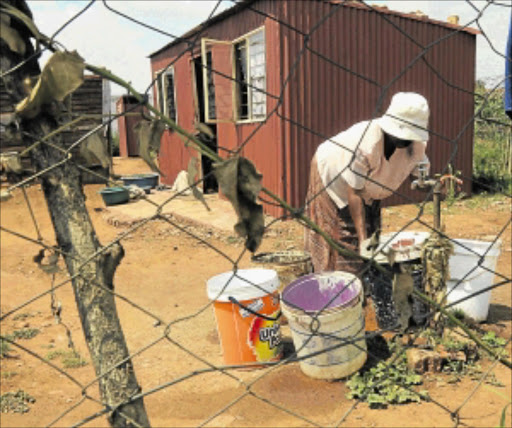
(62, 74)
(191, 177)
(94, 150)
(241, 183)
(149, 134)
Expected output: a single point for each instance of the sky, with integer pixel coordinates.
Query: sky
(104, 38)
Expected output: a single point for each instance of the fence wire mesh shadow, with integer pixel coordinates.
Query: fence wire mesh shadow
(169, 370)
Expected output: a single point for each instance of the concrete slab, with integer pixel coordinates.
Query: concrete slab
(186, 209)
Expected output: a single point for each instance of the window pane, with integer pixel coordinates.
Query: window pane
(258, 74)
(211, 87)
(160, 92)
(171, 105)
(258, 37)
(242, 79)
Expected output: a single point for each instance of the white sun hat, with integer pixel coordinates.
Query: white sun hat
(406, 117)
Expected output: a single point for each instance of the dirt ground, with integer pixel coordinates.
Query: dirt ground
(164, 271)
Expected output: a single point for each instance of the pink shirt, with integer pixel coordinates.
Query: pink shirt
(355, 158)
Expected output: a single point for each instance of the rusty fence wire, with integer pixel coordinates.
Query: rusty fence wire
(170, 325)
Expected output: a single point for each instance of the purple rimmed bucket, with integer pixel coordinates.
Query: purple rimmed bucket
(326, 320)
(322, 292)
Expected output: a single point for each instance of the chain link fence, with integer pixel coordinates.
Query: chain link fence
(91, 267)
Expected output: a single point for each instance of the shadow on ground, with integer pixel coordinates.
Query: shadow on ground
(498, 312)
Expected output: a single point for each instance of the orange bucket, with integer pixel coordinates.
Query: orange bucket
(247, 310)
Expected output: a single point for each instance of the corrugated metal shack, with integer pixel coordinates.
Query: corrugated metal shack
(132, 109)
(308, 70)
(91, 100)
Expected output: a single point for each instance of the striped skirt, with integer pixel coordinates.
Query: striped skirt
(338, 224)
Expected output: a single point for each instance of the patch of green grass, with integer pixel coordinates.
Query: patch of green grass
(16, 402)
(48, 346)
(73, 361)
(54, 354)
(25, 333)
(233, 240)
(475, 373)
(23, 316)
(70, 359)
(493, 341)
(5, 348)
(452, 345)
(383, 385)
(484, 200)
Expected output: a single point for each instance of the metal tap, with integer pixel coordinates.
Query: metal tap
(426, 183)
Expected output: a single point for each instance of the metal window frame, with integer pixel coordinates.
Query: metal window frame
(204, 65)
(160, 75)
(246, 36)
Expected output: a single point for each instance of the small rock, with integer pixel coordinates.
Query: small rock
(421, 360)
(175, 248)
(470, 347)
(156, 323)
(450, 356)
(419, 342)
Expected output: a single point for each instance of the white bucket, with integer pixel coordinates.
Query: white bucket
(341, 321)
(467, 278)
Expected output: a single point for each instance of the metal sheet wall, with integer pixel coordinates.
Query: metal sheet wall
(352, 55)
(381, 51)
(262, 142)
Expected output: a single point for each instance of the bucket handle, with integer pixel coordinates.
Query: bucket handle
(266, 317)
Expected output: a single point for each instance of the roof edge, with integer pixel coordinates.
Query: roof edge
(239, 6)
(244, 4)
(423, 18)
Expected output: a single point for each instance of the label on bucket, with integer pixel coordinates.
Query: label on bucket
(255, 306)
(264, 338)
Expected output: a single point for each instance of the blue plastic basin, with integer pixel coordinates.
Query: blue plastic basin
(141, 180)
(114, 195)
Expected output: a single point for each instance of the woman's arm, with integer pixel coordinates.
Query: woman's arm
(357, 212)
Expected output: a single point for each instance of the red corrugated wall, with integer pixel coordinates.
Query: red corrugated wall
(321, 98)
(128, 144)
(261, 141)
(121, 124)
(174, 156)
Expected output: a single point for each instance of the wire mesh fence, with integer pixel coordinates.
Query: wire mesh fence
(165, 366)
